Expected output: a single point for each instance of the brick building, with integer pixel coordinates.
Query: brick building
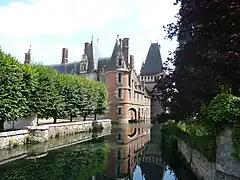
(128, 91)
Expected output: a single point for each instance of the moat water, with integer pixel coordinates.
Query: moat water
(128, 152)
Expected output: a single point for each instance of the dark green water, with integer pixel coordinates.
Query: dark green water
(129, 152)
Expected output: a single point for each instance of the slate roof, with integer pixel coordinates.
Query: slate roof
(109, 63)
(73, 67)
(153, 63)
(105, 63)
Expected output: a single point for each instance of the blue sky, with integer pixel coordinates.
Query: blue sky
(50, 25)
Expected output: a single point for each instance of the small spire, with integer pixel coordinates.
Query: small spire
(97, 40)
(117, 36)
(29, 50)
(92, 38)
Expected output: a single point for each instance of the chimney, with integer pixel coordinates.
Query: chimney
(64, 55)
(131, 61)
(27, 58)
(86, 48)
(125, 49)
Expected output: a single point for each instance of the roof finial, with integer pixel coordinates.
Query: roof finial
(97, 40)
(157, 39)
(117, 36)
(92, 39)
(29, 50)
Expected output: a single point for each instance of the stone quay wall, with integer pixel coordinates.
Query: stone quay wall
(225, 167)
(199, 164)
(38, 150)
(13, 138)
(43, 133)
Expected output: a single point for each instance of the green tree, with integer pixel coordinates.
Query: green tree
(101, 99)
(208, 54)
(45, 98)
(13, 103)
(69, 83)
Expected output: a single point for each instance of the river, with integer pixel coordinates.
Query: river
(128, 152)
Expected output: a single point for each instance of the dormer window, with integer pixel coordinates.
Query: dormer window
(83, 67)
(120, 62)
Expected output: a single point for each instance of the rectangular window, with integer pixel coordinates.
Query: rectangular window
(119, 78)
(120, 93)
(119, 110)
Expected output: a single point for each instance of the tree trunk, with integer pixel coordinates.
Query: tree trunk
(1, 126)
(95, 116)
(84, 118)
(71, 118)
(54, 120)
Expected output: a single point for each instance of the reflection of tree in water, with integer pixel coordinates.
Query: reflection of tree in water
(78, 163)
(152, 171)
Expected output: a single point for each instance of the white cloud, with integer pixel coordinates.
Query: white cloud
(28, 23)
(57, 17)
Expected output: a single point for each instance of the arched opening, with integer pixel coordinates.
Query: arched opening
(133, 133)
(133, 115)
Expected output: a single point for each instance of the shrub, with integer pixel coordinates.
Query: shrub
(224, 109)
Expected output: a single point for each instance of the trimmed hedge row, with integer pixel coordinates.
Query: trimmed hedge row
(39, 90)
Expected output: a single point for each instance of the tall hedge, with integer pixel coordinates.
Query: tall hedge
(39, 90)
(13, 99)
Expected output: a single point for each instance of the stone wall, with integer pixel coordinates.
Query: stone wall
(225, 163)
(199, 164)
(43, 133)
(13, 138)
(225, 168)
(19, 152)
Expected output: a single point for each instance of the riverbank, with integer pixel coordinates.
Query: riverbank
(209, 157)
(39, 150)
(42, 133)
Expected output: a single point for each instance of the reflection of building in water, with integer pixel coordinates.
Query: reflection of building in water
(135, 155)
(130, 143)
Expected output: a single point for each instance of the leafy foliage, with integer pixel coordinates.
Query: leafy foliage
(13, 102)
(224, 109)
(207, 56)
(39, 90)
